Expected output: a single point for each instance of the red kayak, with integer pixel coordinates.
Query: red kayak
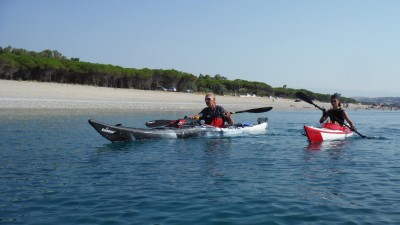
(328, 132)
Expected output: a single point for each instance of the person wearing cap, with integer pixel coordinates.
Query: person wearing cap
(336, 114)
(213, 114)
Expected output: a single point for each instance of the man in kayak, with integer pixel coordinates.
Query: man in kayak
(336, 115)
(213, 114)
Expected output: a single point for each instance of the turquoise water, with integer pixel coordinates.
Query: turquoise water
(55, 169)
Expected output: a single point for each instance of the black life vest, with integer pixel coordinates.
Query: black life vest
(336, 115)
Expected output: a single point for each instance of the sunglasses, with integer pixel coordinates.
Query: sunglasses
(208, 99)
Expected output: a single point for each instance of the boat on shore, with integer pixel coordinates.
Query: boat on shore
(327, 132)
(118, 133)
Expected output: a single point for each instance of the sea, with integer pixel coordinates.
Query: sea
(56, 169)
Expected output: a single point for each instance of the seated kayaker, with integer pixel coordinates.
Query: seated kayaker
(213, 114)
(336, 114)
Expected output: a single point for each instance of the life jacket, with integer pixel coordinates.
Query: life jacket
(338, 116)
(217, 122)
(214, 117)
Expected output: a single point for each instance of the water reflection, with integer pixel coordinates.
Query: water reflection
(215, 170)
(216, 146)
(323, 173)
(326, 145)
(117, 146)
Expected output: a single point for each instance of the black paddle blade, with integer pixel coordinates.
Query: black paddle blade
(256, 110)
(158, 123)
(304, 97)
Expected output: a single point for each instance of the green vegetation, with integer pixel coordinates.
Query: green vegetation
(52, 66)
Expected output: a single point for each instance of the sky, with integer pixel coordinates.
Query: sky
(347, 46)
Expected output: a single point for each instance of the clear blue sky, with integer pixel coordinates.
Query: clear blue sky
(346, 46)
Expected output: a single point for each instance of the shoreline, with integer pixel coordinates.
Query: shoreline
(31, 95)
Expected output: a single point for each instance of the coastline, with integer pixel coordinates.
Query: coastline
(31, 95)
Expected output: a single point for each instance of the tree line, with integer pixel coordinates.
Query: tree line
(52, 66)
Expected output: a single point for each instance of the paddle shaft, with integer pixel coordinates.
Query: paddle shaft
(160, 123)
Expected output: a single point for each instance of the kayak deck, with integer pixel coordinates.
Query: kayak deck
(118, 133)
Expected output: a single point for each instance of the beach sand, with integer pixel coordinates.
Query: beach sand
(28, 95)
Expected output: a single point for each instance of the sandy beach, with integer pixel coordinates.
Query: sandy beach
(25, 95)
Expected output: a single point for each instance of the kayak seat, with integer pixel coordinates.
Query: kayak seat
(262, 120)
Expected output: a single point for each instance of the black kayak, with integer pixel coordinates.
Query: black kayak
(118, 133)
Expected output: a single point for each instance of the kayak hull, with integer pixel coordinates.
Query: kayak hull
(327, 133)
(117, 133)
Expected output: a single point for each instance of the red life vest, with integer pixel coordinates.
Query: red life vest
(217, 122)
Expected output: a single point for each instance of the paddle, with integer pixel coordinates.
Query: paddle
(307, 99)
(256, 110)
(160, 123)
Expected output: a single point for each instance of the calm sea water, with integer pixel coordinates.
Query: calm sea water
(55, 169)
